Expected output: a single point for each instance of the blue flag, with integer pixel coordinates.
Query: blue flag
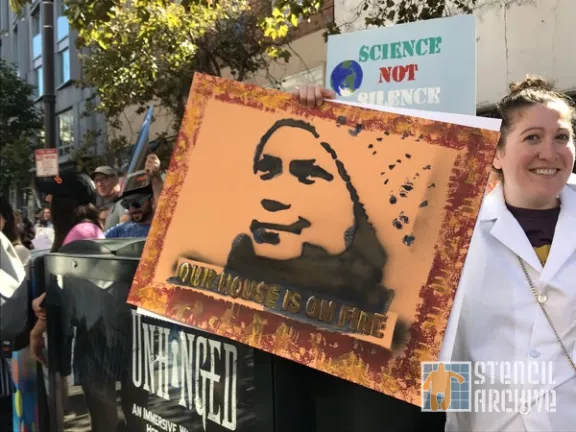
(136, 176)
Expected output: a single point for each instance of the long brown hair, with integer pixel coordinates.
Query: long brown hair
(66, 214)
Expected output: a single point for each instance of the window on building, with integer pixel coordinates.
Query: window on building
(15, 48)
(4, 23)
(39, 81)
(62, 8)
(36, 22)
(65, 124)
(62, 28)
(36, 36)
(64, 66)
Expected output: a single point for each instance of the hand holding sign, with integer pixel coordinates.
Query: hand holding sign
(152, 165)
(311, 96)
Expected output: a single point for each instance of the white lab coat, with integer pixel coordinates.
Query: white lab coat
(13, 291)
(495, 316)
(12, 271)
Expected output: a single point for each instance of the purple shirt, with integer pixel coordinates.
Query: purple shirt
(538, 225)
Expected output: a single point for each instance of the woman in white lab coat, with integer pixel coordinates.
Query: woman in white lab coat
(515, 308)
(514, 315)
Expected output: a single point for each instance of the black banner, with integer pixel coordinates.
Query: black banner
(185, 380)
(111, 369)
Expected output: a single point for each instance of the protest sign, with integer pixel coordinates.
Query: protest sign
(428, 65)
(44, 238)
(331, 236)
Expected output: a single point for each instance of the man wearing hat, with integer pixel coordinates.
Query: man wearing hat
(140, 207)
(108, 187)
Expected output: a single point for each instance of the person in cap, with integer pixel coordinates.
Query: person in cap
(75, 217)
(73, 208)
(109, 188)
(140, 206)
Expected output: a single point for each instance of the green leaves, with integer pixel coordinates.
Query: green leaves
(20, 124)
(286, 15)
(387, 12)
(139, 51)
(18, 5)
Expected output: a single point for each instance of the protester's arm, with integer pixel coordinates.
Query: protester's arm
(38, 306)
(153, 168)
(37, 341)
(37, 332)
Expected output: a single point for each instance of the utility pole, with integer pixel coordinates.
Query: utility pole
(49, 96)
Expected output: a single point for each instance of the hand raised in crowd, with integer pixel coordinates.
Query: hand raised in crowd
(153, 169)
(37, 333)
(37, 341)
(312, 96)
(39, 311)
(152, 165)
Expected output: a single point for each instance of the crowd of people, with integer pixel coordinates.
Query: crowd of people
(517, 292)
(72, 215)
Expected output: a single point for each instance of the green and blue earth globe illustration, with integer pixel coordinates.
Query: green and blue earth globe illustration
(346, 78)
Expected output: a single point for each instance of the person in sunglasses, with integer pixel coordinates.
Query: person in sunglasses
(141, 210)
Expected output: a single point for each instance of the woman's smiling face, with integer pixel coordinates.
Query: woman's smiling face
(538, 155)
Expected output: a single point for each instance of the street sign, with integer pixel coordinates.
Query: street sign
(46, 162)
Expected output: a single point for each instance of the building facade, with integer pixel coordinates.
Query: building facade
(514, 37)
(307, 63)
(21, 44)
